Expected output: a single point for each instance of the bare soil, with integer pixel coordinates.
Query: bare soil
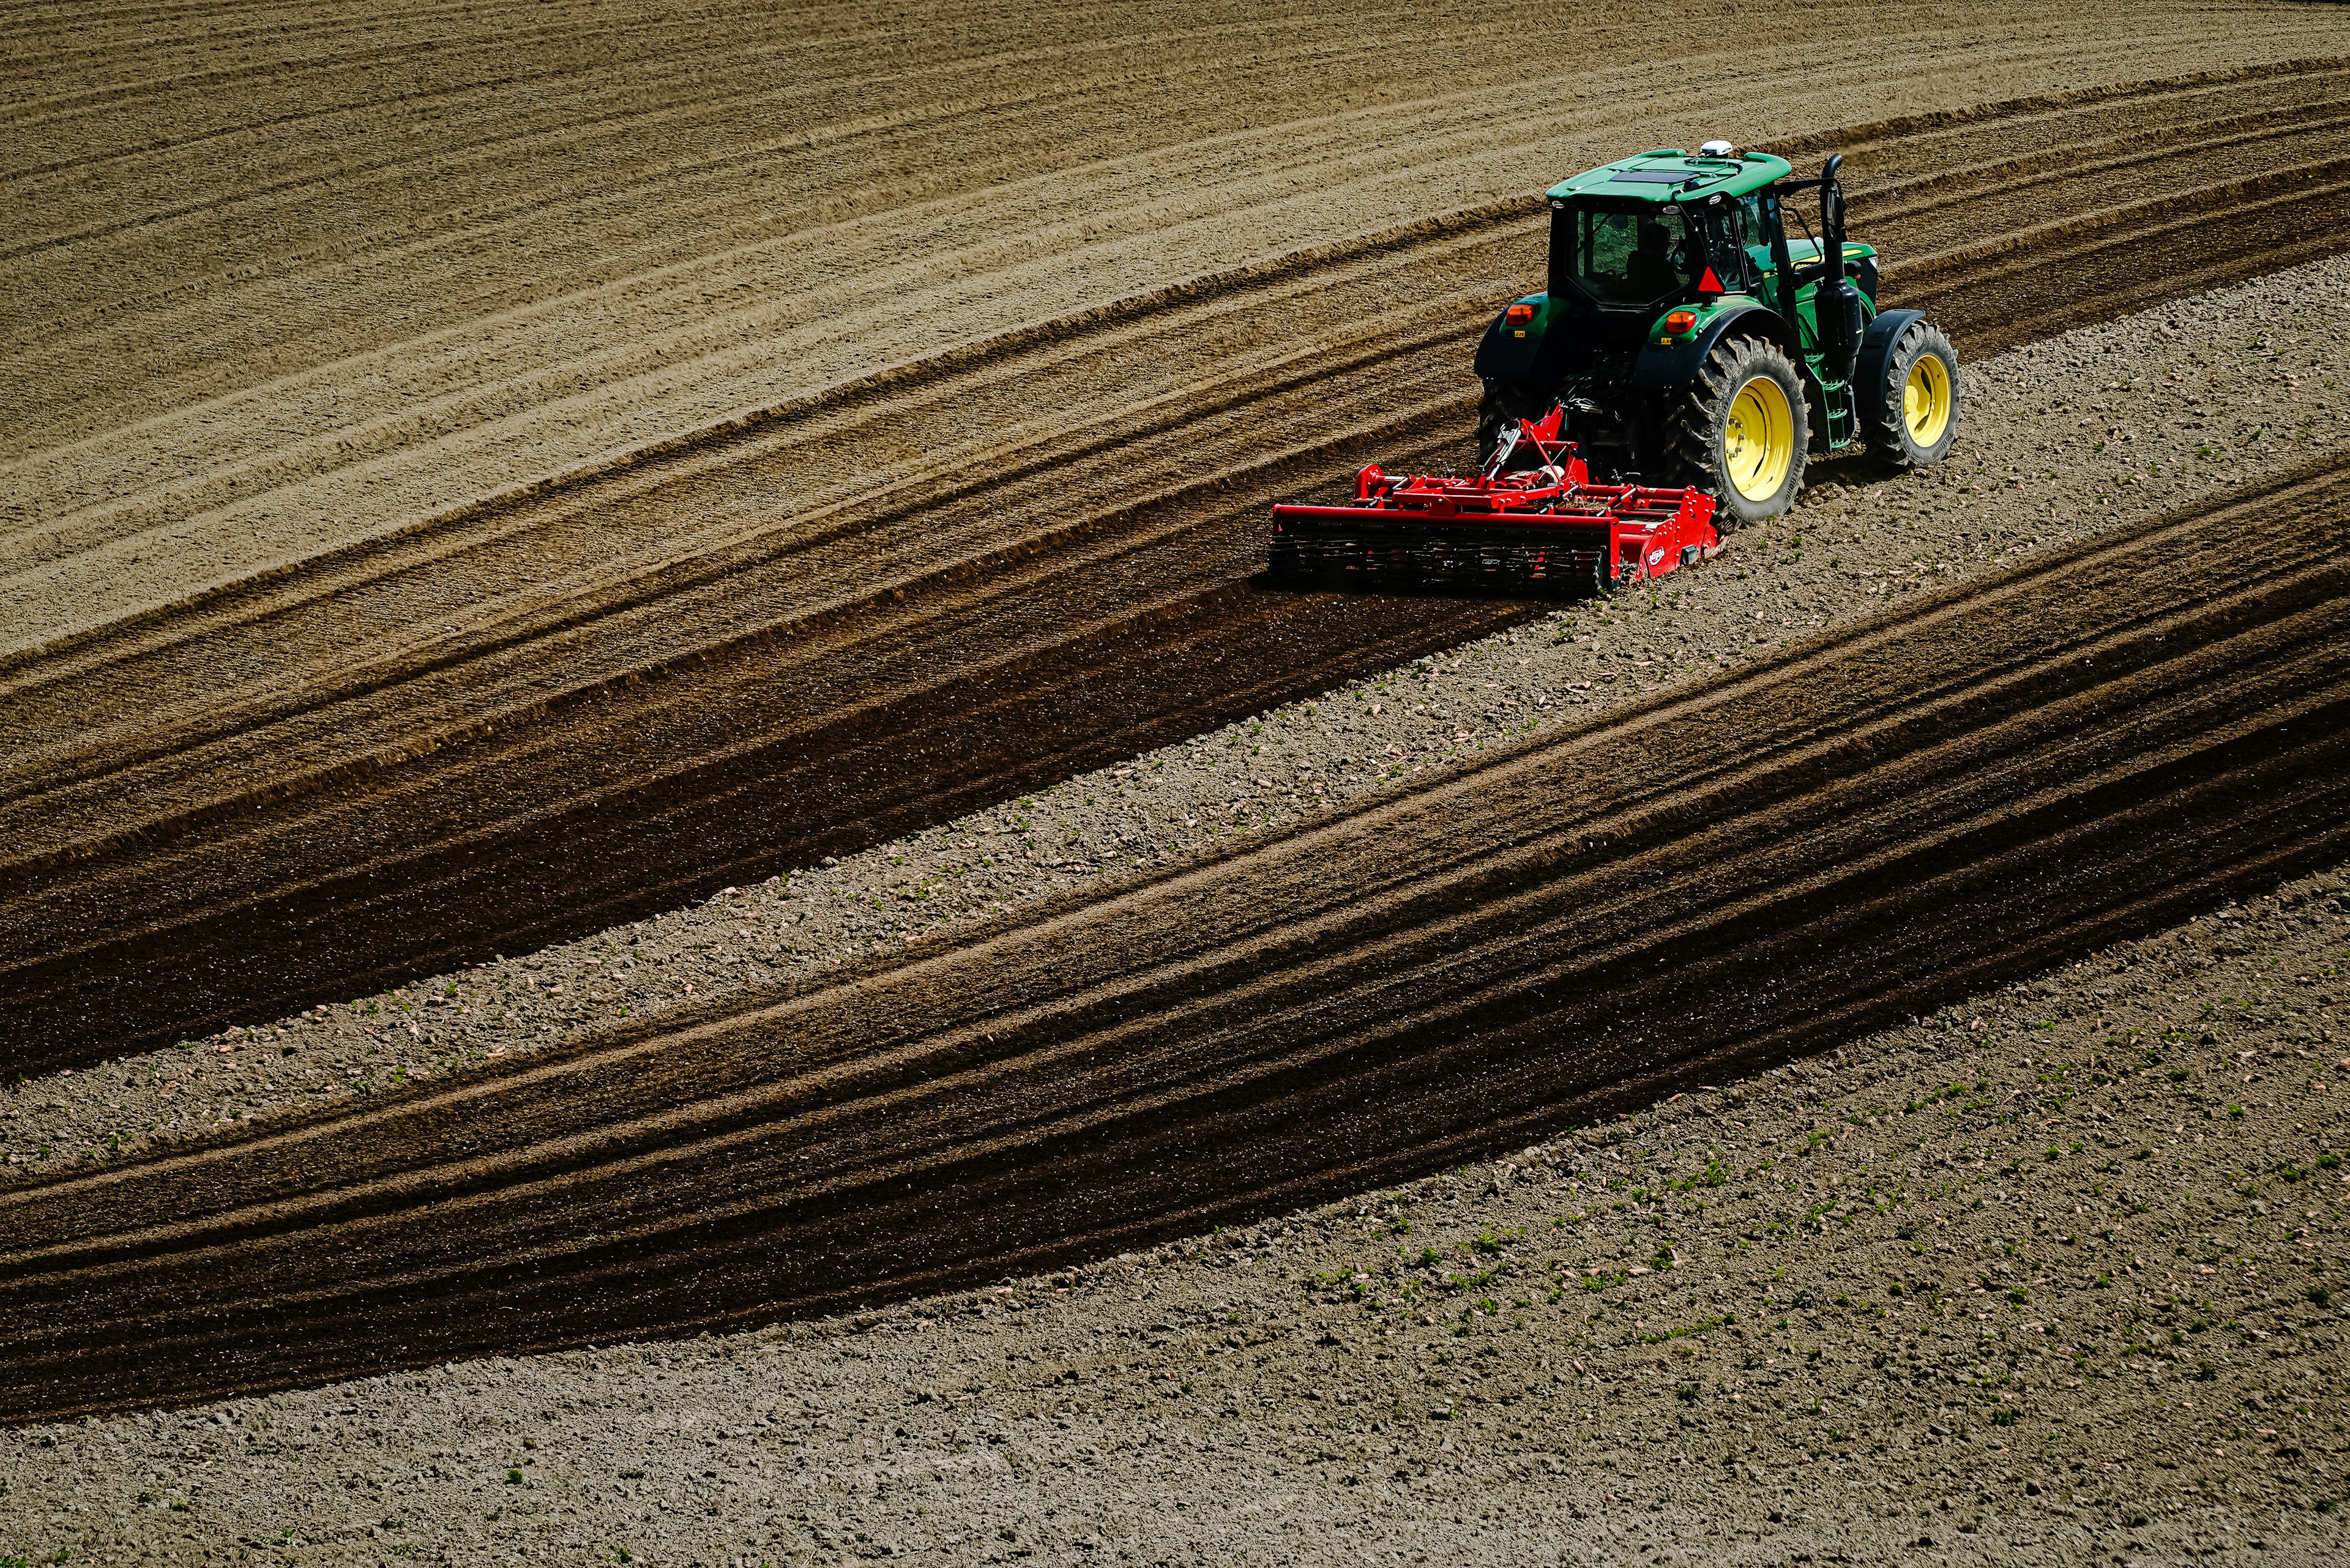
(1866, 823)
(2052, 1275)
(283, 288)
(902, 586)
(480, 480)
(2066, 439)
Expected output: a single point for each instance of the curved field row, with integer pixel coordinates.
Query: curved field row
(893, 603)
(1865, 827)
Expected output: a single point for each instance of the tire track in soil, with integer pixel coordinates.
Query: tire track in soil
(770, 693)
(1863, 828)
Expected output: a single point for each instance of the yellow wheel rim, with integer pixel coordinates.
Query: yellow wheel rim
(1758, 443)
(1925, 400)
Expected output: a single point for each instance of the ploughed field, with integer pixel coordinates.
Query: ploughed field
(470, 489)
(474, 482)
(1865, 827)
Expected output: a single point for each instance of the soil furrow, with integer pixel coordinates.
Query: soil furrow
(1915, 238)
(1886, 820)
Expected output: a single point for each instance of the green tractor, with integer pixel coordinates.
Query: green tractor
(1692, 342)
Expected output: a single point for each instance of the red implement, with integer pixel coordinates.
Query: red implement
(1532, 520)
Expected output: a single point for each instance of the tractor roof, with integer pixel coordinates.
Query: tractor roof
(1669, 175)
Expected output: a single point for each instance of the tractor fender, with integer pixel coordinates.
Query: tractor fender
(1660, 365)
(1505, 355)
(1869, 375)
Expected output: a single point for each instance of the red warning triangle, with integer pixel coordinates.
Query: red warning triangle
(1709, 283)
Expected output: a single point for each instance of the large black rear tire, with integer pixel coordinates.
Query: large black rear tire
(1913, 416)
(1741, 431)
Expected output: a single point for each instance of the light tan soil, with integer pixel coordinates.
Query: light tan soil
(1780, 1319)
(283, 288)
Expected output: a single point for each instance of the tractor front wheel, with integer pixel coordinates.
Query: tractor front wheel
(1740, 431)
(1914, 416)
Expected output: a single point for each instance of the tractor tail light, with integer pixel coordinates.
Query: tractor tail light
(1680, 321)
(1519, 314)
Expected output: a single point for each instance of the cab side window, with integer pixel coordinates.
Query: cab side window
(1729, 234)
(1721, 253)
(1754, 232)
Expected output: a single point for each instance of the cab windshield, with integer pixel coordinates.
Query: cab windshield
(1633, 254)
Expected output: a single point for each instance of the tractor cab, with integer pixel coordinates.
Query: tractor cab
(1630, 240)
(1619, 255)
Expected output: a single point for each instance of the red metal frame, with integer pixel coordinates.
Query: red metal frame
(1650, 531)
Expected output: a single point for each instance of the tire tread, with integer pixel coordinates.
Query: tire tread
(1698, 412)
(1884, 434)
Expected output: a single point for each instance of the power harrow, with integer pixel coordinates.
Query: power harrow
(1530, 521)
